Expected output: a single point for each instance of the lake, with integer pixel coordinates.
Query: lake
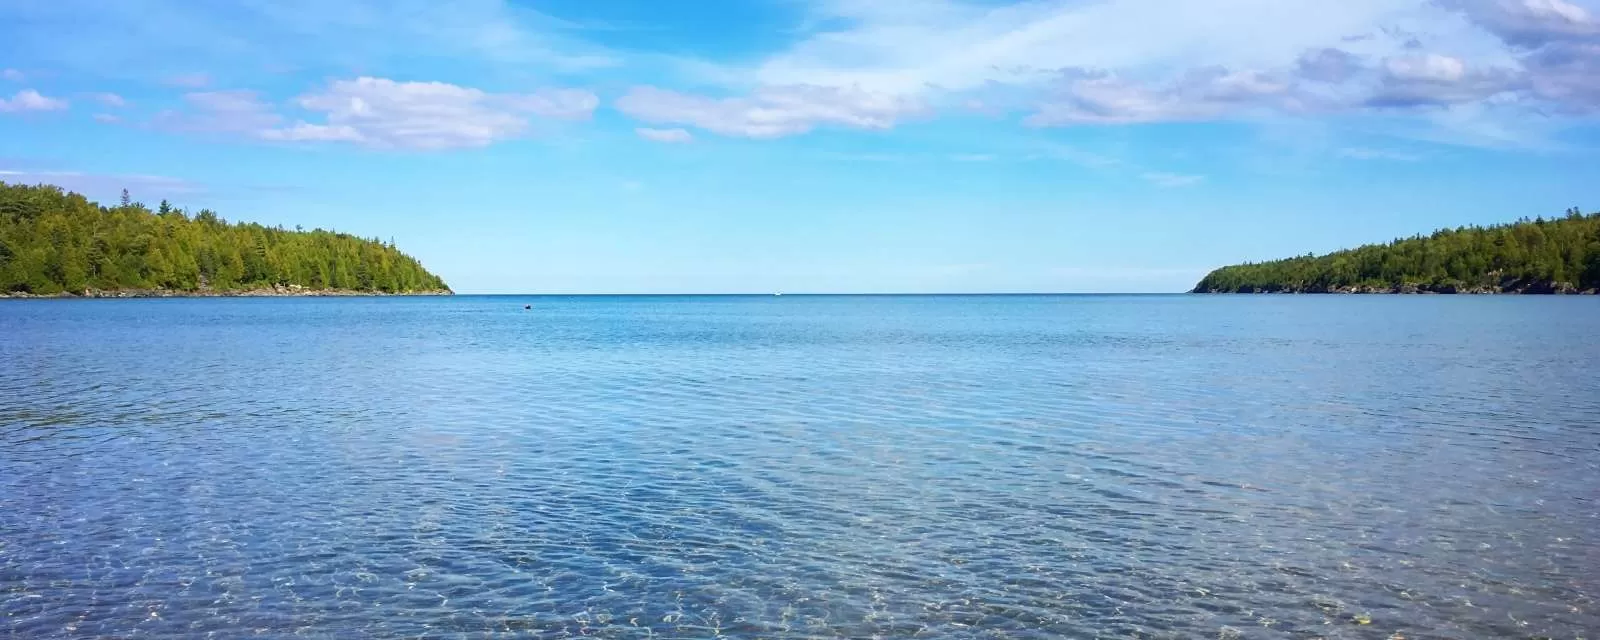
(799, 466)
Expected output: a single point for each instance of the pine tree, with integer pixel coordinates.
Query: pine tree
(1534, 255)
(53, 241)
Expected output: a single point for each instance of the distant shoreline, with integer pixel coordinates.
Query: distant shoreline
(1524, 289)
(1530, 257)
(291, 291)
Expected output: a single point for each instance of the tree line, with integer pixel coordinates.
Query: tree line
(1529, 256)
(54, 241)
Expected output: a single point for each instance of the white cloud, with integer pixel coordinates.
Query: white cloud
(305, 132)
(962, 45)
(1530, 23)
(30, 100)
(557, 103)
(669, 136)
(109, 99)
(1201, 94)
(1171, 180)
(384, 113)
(1078, 62)
(1426, 68)
(1558, 44)
(12, 75)
(771, 112)
(1433, 79)
(107, 118)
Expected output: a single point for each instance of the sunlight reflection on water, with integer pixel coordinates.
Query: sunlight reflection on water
(801, 467)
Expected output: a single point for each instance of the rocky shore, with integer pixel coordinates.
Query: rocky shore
(1514, 288)
(275, 291)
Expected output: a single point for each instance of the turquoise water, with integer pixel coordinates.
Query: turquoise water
(930, 467)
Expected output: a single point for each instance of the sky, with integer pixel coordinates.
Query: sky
(731, 146)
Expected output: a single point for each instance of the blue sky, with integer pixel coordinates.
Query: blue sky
(573, 146)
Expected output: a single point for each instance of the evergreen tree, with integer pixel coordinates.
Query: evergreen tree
(53, 241)
(1528, 255)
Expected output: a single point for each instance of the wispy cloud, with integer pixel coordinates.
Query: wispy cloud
(107, 118)
(1171, 180)
(192, 80)
(1097, 98)
(12, 75)
(30, 100)
(220, 112)
(874, 65)
(669, 136)
(1363, 153)
(109, 99)
(1088, 159)
(1113, 62)
(380, 113)
(383, 113)
(239, 40)
(884, 46)
(102, 183)
(770, 112)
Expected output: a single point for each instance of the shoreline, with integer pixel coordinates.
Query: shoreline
(1409, 290)
(292, 291)
(1395, 293)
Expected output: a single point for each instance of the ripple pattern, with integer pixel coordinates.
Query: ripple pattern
(801, 467)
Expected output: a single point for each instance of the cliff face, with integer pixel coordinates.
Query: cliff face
(53, 242)
(1526, 257)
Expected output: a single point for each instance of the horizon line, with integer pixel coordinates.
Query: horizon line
(856, 293)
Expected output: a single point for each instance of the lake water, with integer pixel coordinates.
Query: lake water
(930, 467)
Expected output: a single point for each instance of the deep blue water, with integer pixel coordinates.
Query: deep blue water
(930, 467)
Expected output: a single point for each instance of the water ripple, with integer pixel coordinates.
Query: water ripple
(1033, 467)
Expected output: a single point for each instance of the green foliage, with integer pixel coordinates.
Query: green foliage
(52, 241)
(1528, 255)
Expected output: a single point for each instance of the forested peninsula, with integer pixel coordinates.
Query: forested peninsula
(1528, 256)
(58, 243)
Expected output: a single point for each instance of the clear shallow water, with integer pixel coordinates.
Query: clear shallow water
(931, 467)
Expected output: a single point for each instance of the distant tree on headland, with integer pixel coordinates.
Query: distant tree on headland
(1527, 256)
(54, 241)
